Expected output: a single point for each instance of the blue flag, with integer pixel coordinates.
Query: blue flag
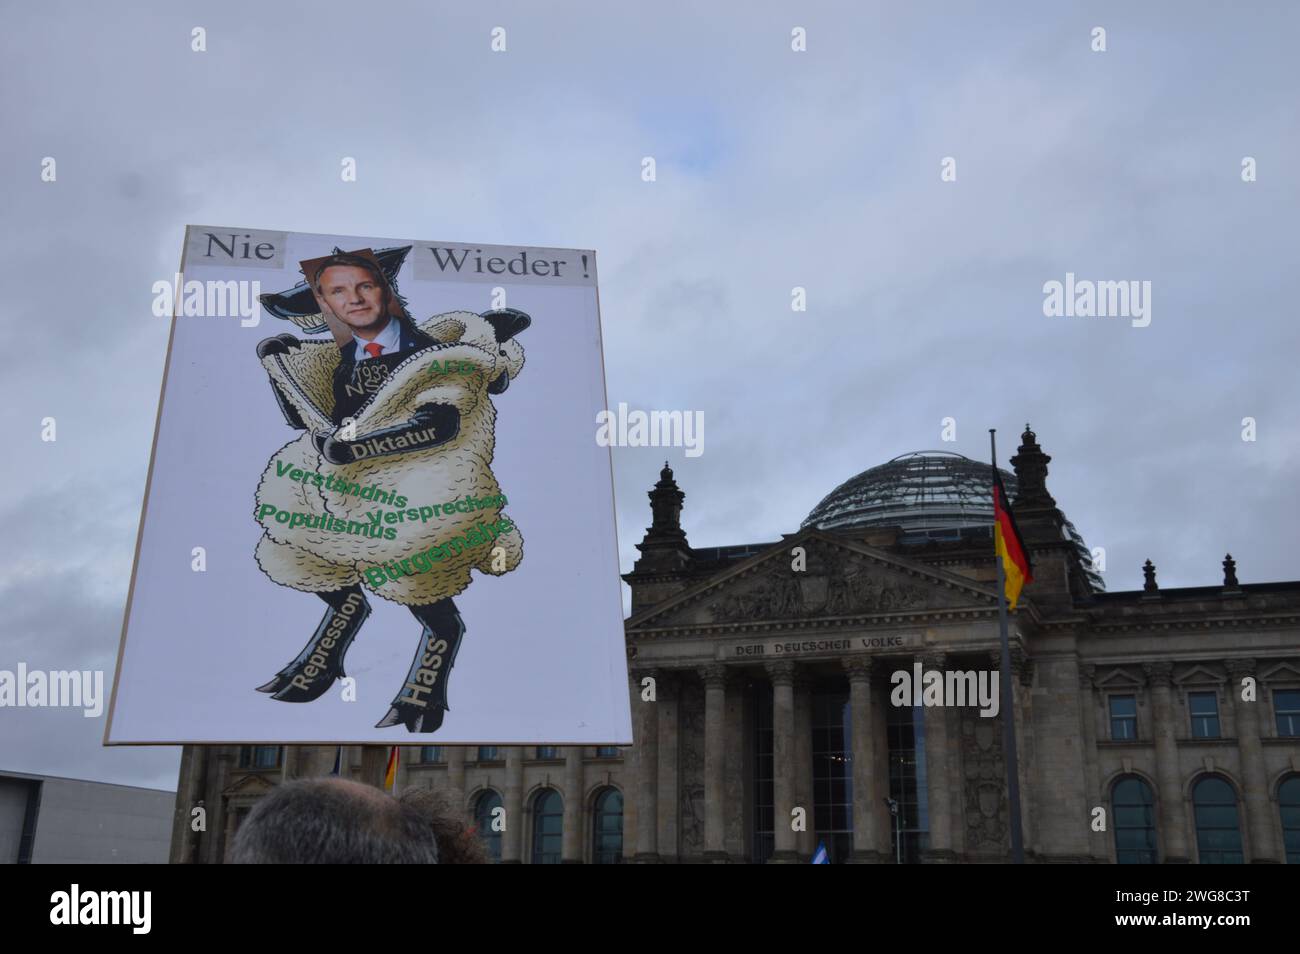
(819, 856)
(338, 759)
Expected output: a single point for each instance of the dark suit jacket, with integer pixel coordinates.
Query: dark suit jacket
(352, 390)
(412, 338)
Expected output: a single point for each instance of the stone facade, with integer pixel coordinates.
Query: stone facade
(739, 656)
(211, 778)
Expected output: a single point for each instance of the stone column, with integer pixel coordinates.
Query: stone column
(1172, 815)
(512, 841)
(1022, 678)
(866, 793)
(783, 784)
(1262, 840)
(1097, 843)
(939, 790)
(304, 761)
(738, 775)
(571, 843)
(218, 781)
(631, 768)
(806, 840)
(323, 762)
(456, 777)
(715, 713)
(374, 765)
(669, 764)
(880, 716)
(188, 794)
(229, 825)
(646, 739)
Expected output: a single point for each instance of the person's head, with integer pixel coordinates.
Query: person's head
(333, 821)
(356, 290)
(457, 842)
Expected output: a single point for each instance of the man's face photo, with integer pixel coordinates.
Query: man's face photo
(355, 297)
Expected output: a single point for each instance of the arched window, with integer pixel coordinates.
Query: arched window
(548, 827)
(1288, 798)
(607, 828)
(1134, 817)
(483, 823)
(1218, 837)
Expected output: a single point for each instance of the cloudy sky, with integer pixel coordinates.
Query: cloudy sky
(775, 169)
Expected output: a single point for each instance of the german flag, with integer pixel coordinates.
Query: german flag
(1008, 543)
(390, 777)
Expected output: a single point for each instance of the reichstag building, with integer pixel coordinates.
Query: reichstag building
(773, 729)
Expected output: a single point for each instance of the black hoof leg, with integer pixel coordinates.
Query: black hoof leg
(275, 685)
(415, 720)
(309, 691)
(320, 664)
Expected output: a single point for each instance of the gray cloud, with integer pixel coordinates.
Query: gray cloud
(775, 170)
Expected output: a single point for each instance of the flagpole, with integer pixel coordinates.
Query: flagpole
(1007, 699)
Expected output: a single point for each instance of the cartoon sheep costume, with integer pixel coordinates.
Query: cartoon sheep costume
(472, 357)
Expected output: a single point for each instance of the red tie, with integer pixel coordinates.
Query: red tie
(373, 349)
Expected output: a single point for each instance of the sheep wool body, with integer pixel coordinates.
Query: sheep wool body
(456, 371)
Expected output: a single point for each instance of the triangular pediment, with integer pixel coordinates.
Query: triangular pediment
(1280, 672)
(1119, 679)
(1199, 675)
(841, 579)
(249, 785)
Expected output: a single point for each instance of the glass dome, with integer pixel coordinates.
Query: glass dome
(926, 493)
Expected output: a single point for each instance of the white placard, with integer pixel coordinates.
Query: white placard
(452, 502)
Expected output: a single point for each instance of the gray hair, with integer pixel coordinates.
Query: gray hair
(333, 821)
